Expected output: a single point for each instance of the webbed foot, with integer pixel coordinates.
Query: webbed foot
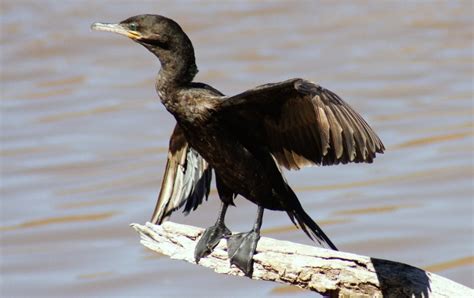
(209, 240)
(241, 248)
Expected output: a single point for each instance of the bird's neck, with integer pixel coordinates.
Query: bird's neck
(177, 71)
(178, 67)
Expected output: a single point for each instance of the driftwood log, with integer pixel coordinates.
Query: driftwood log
(328, 272)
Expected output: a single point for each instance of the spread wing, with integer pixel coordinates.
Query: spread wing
(301, 124)
(186, 181)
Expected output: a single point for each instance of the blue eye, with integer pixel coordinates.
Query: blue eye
(133, 26)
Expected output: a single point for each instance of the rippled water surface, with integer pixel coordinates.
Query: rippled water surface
(84, 138)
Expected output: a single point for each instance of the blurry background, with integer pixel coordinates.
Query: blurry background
(84, 137)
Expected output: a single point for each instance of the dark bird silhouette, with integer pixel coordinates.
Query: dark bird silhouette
(244, 138)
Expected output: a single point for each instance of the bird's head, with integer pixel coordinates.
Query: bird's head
(147, 29)
(161, 36)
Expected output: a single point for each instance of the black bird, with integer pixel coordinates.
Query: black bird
(244, 138)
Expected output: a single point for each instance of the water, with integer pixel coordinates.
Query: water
(84, 137)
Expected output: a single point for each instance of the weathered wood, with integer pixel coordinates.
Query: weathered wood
(329, 272)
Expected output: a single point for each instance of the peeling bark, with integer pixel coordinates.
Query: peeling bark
(333, 273)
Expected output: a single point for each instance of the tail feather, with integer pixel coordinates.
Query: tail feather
(300, 218)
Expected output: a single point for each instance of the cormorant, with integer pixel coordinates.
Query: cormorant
(244, 138)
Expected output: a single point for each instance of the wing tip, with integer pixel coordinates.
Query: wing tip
(307, 87)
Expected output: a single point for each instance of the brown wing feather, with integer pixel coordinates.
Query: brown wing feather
(304, 124)
(186, 179)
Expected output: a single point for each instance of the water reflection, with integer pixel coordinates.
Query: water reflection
(460, 262)
(58, 220)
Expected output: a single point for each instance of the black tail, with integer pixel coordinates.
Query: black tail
(308, 225)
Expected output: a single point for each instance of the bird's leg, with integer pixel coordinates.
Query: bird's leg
(241, 247)
(212, 235)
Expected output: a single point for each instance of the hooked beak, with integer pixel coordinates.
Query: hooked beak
(117, 28)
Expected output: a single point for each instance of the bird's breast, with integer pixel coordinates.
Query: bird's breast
(237, 166)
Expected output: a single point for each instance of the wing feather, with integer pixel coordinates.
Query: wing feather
(304, 124)
(336, 132)
(348, 134)
(186, 181)
(323, 126)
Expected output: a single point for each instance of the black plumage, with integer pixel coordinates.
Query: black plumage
(244, 138)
